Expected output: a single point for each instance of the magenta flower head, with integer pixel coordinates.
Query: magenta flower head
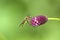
(38, 20)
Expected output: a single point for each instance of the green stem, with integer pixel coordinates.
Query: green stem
(57, 19)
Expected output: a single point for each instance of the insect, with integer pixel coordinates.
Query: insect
(26, 19)
(37, 20)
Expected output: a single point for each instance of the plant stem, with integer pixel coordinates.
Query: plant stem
(57, 19)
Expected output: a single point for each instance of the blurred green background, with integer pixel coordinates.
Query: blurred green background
(12, 13)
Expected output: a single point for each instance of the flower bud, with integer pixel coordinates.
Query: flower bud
(38, 20)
